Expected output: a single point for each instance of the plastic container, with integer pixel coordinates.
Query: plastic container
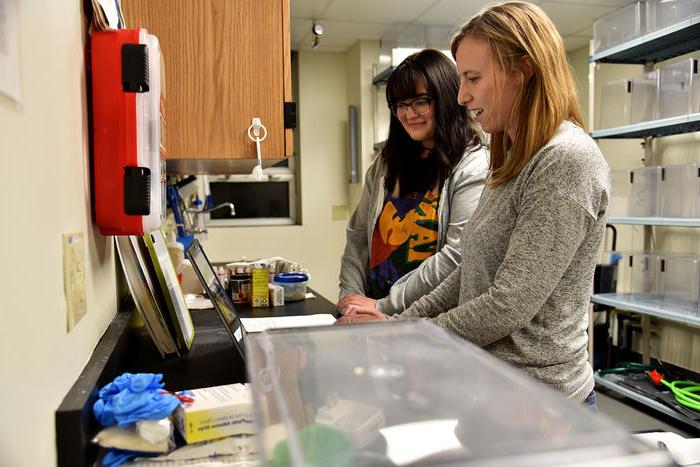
(294, 285)
(644, 198)
(621, 190)
(616, 100)
(411, 393)
(680, 191)
(645, 279)
(645, 97)
(624, 273)
(679, 89)
(664, 13)
(128, 98)
(680, 279)
(619, 26)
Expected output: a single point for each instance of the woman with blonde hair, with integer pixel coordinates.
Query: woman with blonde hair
(529, 250)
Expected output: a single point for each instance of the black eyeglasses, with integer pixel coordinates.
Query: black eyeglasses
(420, 106)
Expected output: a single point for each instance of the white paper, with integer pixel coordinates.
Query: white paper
(278, 322)
(684, 451)
(409, 442)
(9, 50)
(197, 302)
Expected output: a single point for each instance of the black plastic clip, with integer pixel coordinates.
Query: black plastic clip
(134, 68)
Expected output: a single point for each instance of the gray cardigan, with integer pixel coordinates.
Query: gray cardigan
(458, 199)
(529, 253)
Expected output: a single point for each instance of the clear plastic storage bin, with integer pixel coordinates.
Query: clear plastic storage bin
(680, 191)
(411, 393)
(681, 282)
(679, 89)
(619, 26)
(621, 190)
(645, 97)
(616, 98)
(644, 198)
(624, 273)
(664, 13)
(645, 279)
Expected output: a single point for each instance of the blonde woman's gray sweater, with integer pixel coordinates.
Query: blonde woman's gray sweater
(528, 256)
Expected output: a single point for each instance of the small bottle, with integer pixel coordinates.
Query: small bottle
(199, 219)
(222, 275)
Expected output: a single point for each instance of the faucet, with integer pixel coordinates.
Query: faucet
(197, 212)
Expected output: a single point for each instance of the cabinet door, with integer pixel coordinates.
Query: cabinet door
(225, 63)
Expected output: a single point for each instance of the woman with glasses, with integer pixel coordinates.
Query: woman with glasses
(529, 250)
(403, 238)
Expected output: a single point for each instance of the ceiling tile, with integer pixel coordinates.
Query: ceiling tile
(453, 13)
(607, 3)
(341, 34)
(570, 18)
(377, 11)
(307, 8)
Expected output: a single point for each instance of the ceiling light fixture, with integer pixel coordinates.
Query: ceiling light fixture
(317, 30)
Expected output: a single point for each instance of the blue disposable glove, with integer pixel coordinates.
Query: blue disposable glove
(132, 397)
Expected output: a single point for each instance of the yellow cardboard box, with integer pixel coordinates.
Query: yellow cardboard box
(216, 412)
(259, 293)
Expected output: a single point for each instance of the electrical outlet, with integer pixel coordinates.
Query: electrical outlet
(74, 277)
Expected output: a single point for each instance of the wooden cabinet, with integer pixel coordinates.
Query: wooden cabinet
(225, 63)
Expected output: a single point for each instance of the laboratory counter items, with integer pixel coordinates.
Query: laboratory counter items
(212, 361)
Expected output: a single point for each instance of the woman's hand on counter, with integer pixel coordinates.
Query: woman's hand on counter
(355, 300)
(360, 314)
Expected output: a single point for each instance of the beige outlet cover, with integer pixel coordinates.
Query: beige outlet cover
(74, 277)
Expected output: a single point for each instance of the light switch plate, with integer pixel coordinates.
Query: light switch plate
(340, 212)
(74, 277)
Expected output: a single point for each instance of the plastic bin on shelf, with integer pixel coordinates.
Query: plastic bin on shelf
(644, 97)
(680, 280)
(644, 198)
(679, 89)
(645, 279)
(411, 393)
(621, 190)
(619, 26)
(615, 97)
(680, 191)
(664, 13)
(624, 273)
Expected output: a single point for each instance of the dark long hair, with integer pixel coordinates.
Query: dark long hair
(455, 131)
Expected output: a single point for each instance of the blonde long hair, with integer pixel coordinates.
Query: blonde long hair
(519, 32)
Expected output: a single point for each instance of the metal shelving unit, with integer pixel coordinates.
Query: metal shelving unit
(652, 306)
(672, 41)
(609, 382)
(664, 44)
(665, 221)
(655, 128)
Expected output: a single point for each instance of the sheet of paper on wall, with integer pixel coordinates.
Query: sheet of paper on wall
(9, 50)
(108, 15)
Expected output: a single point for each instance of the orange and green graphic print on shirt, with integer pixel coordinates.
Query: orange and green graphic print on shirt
(405, 235)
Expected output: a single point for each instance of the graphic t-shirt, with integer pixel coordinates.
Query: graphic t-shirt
(405, 235)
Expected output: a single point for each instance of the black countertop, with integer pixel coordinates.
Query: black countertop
(212, 361)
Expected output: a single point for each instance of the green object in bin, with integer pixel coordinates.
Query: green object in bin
(320, 445)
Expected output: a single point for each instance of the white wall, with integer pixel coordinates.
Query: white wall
(360, 59)
(45, 188)
(319, 242)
